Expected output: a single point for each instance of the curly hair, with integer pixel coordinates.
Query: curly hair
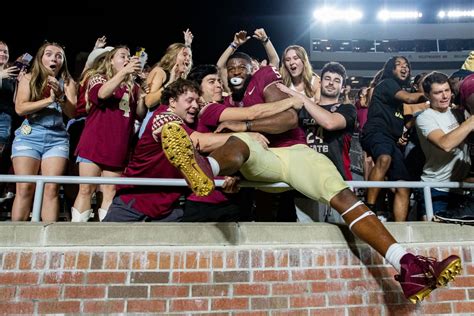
(177, 88)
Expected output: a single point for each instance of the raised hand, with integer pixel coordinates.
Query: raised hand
(260, 34)
(10, 72)
(188, 37)
(241, 37)
(133, 66)
(100, 42)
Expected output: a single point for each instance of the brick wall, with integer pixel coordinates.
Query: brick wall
(220, 280)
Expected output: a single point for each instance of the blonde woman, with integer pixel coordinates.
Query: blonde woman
(297, 73)
(41, 142)
(114, 100)
(176, 63)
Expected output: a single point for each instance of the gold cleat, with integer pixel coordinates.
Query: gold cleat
(420, 296)
(181, 153)
(448, 273)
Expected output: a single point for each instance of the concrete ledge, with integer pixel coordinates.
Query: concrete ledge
(214, 234)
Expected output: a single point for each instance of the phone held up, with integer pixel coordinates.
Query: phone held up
(23, 62)
(142, 56)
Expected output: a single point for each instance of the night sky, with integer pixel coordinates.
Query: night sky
(213, 24)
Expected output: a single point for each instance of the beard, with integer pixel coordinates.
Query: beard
(326, 94)
(238, 94)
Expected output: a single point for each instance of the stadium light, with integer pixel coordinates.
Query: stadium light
(329, 14)
(455, 14)
(386, 15)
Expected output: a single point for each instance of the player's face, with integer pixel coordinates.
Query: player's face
(211, 87)
(185, 106)
(238, 70)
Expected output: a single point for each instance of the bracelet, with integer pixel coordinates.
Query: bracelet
(233, 45)
(266, 40)
(248, 126)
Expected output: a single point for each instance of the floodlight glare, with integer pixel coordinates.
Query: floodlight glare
(455, 14)
(386, 15)
(329, 14)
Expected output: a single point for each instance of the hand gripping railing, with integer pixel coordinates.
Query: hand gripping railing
(41, 180)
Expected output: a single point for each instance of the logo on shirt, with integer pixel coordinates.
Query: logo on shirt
(160, 120)
(251, 91)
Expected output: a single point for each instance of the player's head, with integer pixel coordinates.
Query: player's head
(239, 73)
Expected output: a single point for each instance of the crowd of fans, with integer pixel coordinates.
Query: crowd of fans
(53, 124)
(241, 118)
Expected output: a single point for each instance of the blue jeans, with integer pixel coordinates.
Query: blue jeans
(444, 200)
(41, 142)
(5, 127)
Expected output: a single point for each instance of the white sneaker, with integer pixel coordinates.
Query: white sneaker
(382, 218)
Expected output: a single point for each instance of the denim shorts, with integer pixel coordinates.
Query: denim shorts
(80, 159)
(5, 126)
(39, 142)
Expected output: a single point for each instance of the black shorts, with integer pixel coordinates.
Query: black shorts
(379, 144)
(121, 212)
(206, 212)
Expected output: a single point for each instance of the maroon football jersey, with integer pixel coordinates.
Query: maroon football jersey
(209, 117)
(81, 101)
(254, 95)
(149, 161)
(108, 130)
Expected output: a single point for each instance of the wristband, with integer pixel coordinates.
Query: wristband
(248, 126)
(266, 40)
(233, 45)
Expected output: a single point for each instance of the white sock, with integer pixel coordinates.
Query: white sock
(78, 217)
(102, 213)
(214, 166)
(394, 254)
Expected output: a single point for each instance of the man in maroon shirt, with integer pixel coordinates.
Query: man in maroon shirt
(304, 169)
(219, 206)
(150, 203)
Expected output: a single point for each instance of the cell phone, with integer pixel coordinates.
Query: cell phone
(142, 56)
(23, 62)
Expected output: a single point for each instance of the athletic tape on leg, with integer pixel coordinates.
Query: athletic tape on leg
(352, 207)
(368, 213)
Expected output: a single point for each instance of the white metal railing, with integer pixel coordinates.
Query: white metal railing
(41, 180)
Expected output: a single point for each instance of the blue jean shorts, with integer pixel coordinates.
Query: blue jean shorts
(39, 142)
(5, 126)
(81, 159)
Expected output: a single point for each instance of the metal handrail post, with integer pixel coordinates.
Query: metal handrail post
(38, 201)
(428, 203)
